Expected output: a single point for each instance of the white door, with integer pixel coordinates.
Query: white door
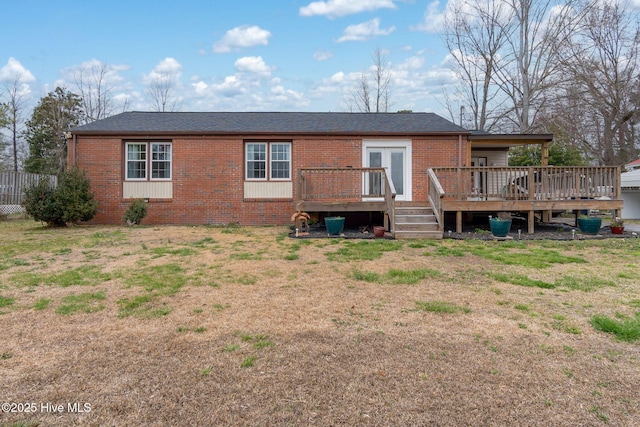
(479, 178)
(394, 159)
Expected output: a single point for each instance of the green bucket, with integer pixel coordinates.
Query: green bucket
(500, 227)
(334, 224)
(589, 225)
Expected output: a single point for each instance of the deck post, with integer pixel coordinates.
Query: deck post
(531, 222)
(459, 222)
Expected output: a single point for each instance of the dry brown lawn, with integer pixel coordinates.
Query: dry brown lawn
(246, 326)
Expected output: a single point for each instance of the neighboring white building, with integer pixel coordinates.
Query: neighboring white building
(632, 165)
(630, 183)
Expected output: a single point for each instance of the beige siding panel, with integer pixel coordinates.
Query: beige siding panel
(494, 159)
(268, 190)
(147, 190)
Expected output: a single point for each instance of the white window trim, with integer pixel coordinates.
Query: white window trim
(151, 161)
(268, 161)
(246, 161)
(126, 163)
(148, 161)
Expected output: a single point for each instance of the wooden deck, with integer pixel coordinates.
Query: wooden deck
(346, 190)
(527, 190)
(522, 190)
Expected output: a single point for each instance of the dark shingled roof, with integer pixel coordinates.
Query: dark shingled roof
(273, 123)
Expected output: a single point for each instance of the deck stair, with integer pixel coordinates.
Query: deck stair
(415, 220)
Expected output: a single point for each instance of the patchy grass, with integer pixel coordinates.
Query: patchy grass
(6, 301)
(520, 280)
(625, 329)
(85, 303)
(262, 329)
(441, 307)
(363, 250)
(396, 276)
(86, 275)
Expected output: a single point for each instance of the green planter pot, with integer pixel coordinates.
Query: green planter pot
(500, 227)
(334, 224)
(589, 225)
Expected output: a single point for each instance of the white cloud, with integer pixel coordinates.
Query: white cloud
(241, 37)
(280, 94)
(252, 64)
(364, 31)
(167, 69)
(200, 87)
(323, 55)
(90, 71)
(337, 8)
(15, 71)
(433, 21)
(230, 87)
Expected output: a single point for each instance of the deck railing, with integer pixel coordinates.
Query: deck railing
(436, 194)
(347, 185)
(342, 184)
(513, 183)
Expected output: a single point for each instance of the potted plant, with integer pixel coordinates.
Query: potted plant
(334, 224)
(617, 226)
(589, 224)
(501, 224)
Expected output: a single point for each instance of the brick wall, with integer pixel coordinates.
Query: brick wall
(427, 153)
(208, 176)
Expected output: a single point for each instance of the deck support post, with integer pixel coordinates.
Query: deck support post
(531, 222)
(459, 222)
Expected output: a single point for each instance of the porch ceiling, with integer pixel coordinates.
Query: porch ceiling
(486, 140)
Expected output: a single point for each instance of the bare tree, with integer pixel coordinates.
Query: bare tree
(161, 92)
(15, 104)
(373, 91)
(600, 102)
(476, 32)
(92, 84)
(531, 67)
(505, 52)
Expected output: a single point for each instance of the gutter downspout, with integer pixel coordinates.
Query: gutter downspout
(73, 150)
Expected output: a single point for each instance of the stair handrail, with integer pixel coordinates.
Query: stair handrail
(390, 200)
(436, 194)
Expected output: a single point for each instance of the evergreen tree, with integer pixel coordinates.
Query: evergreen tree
(54, 115)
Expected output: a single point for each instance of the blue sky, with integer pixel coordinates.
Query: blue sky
(243, 55)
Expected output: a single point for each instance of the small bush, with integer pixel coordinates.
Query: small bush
(136, 212)
(68, 203)
(40, 202)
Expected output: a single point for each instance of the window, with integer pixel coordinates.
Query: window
(160, 161)
(136, 161)
(256, 161)
(140, 166)
(268, 161)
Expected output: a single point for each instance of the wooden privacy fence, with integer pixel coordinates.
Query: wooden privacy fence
(12, 187)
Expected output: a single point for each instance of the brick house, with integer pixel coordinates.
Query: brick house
(258, 168)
